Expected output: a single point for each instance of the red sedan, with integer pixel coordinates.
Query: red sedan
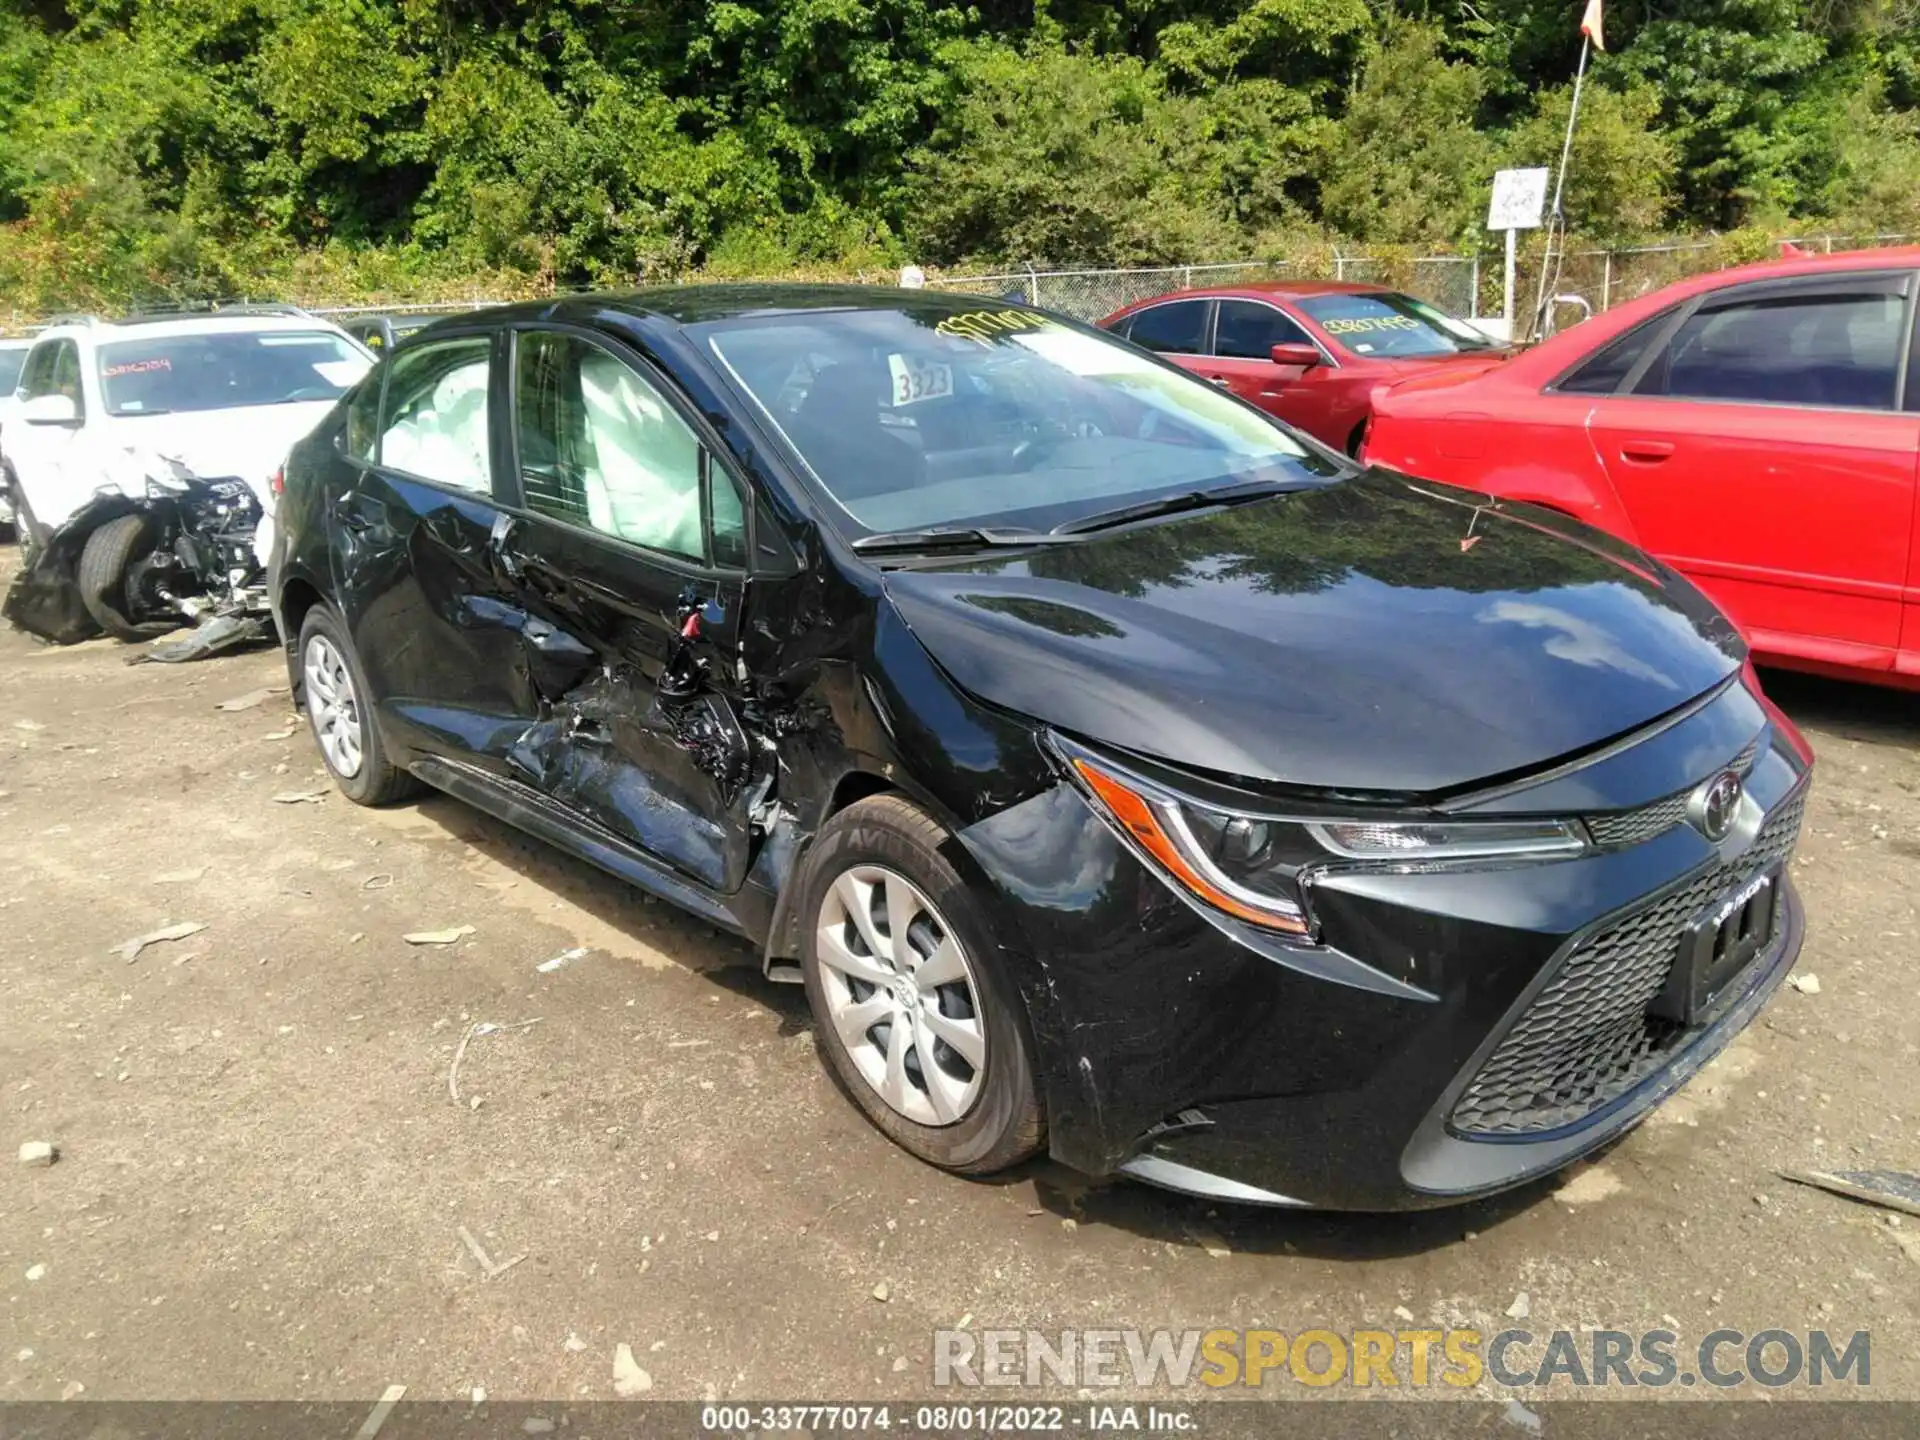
(1311, 353)
(1757, 429)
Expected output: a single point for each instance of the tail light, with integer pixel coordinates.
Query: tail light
(277, 482)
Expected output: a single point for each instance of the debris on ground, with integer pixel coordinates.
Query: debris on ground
(72, 1390)
(28, 725)
(474, 1032)
(129, 950)
(438, 937)
(180, 877)
(565, 957)
(382, 881)
(36, 1272)
(286, 734)
(536, 1425)
(1520, 1308)
(377, 1416)
(1521, 1418)
(38, 1154)
(1890, 1189)
(302, 797)
(628, 1378)
(882, 1292)
(489, 1269)
(573, 1344)
(1208, 1241)
(1400, 1312)
(1805, 984)
(252, 700)
(216, 636)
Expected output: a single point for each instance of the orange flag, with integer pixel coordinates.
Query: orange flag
(1590, 25)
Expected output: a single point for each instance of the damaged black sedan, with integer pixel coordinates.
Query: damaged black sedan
(1123, 776)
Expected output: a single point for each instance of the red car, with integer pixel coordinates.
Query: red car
(1757, 429)
(1311, 353)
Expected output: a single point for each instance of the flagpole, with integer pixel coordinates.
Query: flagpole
(1555, 220)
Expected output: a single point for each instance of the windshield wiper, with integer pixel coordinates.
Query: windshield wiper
(941, 537)
(1231, 494)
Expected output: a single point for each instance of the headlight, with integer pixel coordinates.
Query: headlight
(1258, 868)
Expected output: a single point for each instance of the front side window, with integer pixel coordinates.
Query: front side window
(599, 446)
(49, 364)
(1807, 349)
(1176, 329)
(928, 416)
(434, 422)
(1385, 323)
(363, 420)
(1248, 330)
(165, 375)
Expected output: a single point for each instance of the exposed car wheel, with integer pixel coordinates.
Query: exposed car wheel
(340, 712)
(911, 1003)
(111, 585)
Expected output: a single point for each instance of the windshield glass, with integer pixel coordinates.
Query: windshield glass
(1384, 323)
(226, 371)
(11, 359)
(998, 417)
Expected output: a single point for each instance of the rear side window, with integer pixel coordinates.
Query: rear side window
(1604, 373)
(1176, 329)
(1821, 348)
(1248, 330)
(434, 422)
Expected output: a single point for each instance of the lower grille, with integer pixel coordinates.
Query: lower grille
(1587, 1038)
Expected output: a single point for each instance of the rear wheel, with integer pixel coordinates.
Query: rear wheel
(338, 711)
(120, 591)
(912, 1006)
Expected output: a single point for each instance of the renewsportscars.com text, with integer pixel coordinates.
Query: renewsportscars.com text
(1458, 1359)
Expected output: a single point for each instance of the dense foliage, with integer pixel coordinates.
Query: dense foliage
(216, 146)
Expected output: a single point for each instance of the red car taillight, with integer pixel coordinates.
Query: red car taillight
(277, 482)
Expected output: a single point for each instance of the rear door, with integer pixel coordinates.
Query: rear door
(628, 540)
(1763, 450)
(436, 625)
(1311, 397)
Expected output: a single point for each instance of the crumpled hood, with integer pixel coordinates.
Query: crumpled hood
(1377, 634)
(249, 443)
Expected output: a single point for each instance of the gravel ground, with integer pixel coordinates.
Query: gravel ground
(263, 1179)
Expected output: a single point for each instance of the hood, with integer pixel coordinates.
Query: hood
(249, 443)
(1374, 635)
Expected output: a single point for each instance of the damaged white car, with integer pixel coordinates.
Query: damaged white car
(140, 456)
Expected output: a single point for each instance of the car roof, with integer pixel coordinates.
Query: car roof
(702, 304)
(165, 326)
(1269, 290)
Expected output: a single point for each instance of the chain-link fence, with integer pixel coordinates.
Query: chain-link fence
(1467, 284)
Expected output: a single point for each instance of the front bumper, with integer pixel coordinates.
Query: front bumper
(1203, 1056)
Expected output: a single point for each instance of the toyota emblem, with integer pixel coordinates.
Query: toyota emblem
(1715, 804)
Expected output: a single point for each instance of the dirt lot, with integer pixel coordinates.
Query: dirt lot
(263, 1178)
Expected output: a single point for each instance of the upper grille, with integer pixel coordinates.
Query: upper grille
(1630, 827)
(1587, 1038)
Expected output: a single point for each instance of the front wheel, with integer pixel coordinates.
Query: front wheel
(120, 592)
(912, 1006)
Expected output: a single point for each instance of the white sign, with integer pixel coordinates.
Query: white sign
(1519, 200)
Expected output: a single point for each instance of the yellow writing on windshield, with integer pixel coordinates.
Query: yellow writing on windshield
(983, 326)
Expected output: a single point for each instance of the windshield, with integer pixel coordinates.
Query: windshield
(1385, 323)
(226, 371)
(11, 359)
(992, 417)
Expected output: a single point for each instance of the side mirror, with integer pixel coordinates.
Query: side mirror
(50, 410)
(1297, 352)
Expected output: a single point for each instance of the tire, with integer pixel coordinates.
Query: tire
(340, 715)
(109, 551)
(970, 1118)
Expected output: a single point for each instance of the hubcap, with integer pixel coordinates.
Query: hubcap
(332, 707)
(901, 995)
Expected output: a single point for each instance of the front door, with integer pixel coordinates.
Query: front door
(436, 625)
(48, 459)
(628, 541)
(1762, 452)
(1310, 397)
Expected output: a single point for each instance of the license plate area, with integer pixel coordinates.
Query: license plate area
(1720, 943)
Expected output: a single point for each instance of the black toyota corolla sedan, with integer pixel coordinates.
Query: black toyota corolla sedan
(1122, 775)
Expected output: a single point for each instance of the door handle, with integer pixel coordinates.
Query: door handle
(1221, 380)
(1647, 452)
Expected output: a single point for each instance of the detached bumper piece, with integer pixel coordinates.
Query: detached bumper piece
(1597, 1031)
